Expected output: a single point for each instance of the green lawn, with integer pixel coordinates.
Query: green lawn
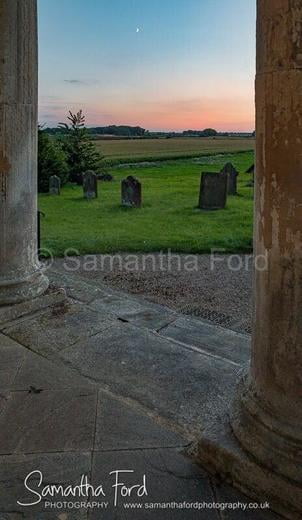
(169, 218)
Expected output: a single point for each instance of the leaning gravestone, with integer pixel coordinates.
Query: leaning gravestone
(131, 192)
(232, 178)
(90, 185)
(106, 177)
(251, 169)
(54, 185)
(213, 190)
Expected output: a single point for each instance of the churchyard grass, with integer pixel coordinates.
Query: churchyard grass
(168, 219)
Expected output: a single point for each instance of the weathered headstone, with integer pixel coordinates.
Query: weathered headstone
(90, 185)
(232, 178)
(106, 177)
(54, 185)
(251, 169)
(213, 190)
(131, 192)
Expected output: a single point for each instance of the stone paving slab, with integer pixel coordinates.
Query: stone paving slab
(58, 515)
(117, 303)
(227, 494)
(3, 400)
(48, 421)
(121, 426)
(129, 310)
(76, 288)
(12, 356)
(12, 312)
(56, 468)
(57, 328)
(180, 384)
(45, 516)
(40, 373)
(210, 338)
(6, 341)
(96, 383)
(169, 477)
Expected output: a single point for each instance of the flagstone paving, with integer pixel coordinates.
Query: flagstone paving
(101, 381)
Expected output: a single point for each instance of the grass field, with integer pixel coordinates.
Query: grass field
(169, 218)
(175, 148)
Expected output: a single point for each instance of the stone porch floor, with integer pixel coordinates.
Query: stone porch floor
(104, 381)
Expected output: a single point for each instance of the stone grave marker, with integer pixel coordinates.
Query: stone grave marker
(131, 192)
(54, 185)
(251, 169)
(213, 190)
(232, 178)
(90, 185)
(106, 177)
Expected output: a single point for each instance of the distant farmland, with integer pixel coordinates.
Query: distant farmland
(173, 148)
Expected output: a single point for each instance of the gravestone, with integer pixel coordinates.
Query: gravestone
(131, 192)
(232, 178)
(106, 177)
(213, 190)
(90, 185)
(251, 169)
(54, 185)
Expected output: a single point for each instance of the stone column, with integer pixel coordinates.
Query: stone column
(20, 272)
(267, 417)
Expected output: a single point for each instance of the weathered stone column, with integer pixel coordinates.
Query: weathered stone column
(20, 273)
(267, 417)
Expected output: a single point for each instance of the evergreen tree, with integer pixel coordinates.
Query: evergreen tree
(51, 160)
(82, 154)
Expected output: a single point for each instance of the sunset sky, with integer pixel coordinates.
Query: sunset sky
(160, 64)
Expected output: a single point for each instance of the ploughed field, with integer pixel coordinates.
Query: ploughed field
(172, 148)
(169, 217)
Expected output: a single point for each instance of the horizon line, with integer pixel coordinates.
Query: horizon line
(163, 130)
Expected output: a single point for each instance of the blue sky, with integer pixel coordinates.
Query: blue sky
(161, 64)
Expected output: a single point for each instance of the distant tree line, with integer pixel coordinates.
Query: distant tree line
(126, 131)
(207, 132)
(122, 130)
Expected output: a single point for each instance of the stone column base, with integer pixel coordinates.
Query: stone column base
(221, 454)
(265, 436)
(17, 291)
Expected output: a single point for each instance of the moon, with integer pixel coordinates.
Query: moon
(138, 29)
